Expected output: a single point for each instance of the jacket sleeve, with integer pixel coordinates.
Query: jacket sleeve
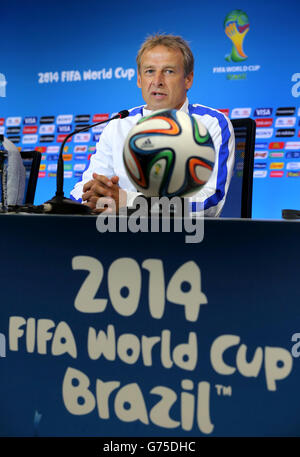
(212, 196)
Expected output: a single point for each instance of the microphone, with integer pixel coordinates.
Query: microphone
(59, 204)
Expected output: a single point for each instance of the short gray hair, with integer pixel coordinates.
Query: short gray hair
(170, 41)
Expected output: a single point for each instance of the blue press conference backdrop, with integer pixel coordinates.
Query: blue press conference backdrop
(66, 63)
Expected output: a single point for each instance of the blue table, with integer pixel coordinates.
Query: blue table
(143, 334)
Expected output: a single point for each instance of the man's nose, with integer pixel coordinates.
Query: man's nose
(158, 79)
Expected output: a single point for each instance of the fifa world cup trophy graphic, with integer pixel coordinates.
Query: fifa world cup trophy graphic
(236, 27)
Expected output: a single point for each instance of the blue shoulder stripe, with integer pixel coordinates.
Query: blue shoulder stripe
(73, 198)
(223, 154)
(135, 111)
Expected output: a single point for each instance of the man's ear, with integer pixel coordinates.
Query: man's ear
(139, 80)
(189, 80)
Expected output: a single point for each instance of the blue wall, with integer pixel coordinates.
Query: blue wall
(56, 37)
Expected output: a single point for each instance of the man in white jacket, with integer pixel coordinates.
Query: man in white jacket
(165, 74)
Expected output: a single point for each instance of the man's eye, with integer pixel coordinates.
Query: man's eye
(148, 71)
(169, 71)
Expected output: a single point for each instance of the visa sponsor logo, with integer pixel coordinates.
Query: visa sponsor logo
(96, 137)
(27, 149)
(47, 138)
(77, 174)
(47, 120)
(52, 149)
(260, 154)
(293, 166)
(65, 128)
(292, 155)
(52, 167)
(13, 130)
(67, 157)
(261, 145)
(276, 145)
(41, 149)
(285, 122)
(286, 111)
(2, 130)
(15, 139)
(60, 138)
(47, 129)
(29, 139)
(276, 154)
(276, 165)
(80, 157)
(276, 174)
(30, 129)
(293, 145)
(68, 174)
(264, 133)
(240, 112)
(79, 167)
(80, 148)
(285, 132)
(82, 137)
(264, 122)
(263, 112)
(82, 118)
(42, 174)
(52, 157)
(1, 120)
(64, 119)
(260, 165)
(13, 121)
(102, 117)
(259, 173)
(293, 174)
(30, 120)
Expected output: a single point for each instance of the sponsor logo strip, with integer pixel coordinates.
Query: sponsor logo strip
(263, 112)
(290, 111)
(276, 174)
(264, 122)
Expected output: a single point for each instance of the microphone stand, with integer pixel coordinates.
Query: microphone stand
(59, 204)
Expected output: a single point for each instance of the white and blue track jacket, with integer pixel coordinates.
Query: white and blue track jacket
(108, 158)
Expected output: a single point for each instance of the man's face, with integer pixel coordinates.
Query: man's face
(162, 79)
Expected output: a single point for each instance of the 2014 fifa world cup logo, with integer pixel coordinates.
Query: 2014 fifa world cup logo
(236, 27)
